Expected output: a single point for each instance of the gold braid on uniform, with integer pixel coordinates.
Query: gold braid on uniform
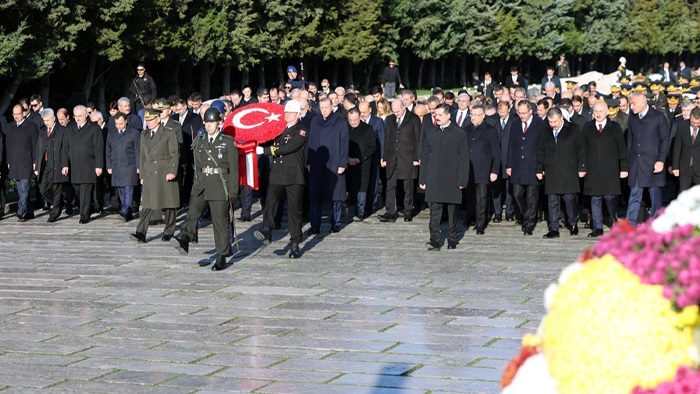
(272, 150)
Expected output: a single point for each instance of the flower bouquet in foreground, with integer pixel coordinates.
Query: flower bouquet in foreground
(625, 318)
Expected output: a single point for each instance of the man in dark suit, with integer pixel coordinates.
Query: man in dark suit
(502, 190)
(390, 78)
(461, 114)
(21, 144)
(484, 161)
(515, 80)
(191, 125)
(50, 158)
(606, 162)
(551, 77)
(579, 115)
(486, 86)
(363, 144)
(379, 132)
(523, 148)
(444, 174)
(648, 142)
(667, 74)
(686, 152)
(401, 158)
(683, 71)
(561, 162)
(123, 152)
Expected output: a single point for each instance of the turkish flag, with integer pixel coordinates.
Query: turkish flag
(251, 125)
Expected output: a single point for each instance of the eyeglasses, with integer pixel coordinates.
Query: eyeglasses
(34, 105)
(287, 87)
(140, 69)
(324, 86)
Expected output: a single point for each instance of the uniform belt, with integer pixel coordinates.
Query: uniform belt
(213, 170)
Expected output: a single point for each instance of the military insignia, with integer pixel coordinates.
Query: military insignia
(287, 138)
(302, 133)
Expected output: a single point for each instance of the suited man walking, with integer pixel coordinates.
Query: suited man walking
(401, 158)
(380, 133)
(502, 189)
(123, 154)
(523, 148)
(21, 143)
(561, 161)
(50, 159)
(484, 161)
(551, 77)
(648, 143)
(686, 152)
(461, 115)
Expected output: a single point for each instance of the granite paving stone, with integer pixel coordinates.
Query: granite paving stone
(365, 310)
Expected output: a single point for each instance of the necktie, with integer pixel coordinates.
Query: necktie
(211, 140)
(46, 155)
(695, 134)
(459, 119)
(434, 121)
(600, 128)
(153, 132)
(641, 116)
(503, 124)
(556, 136)
(398, 122)
(524, 127)
(80, 127)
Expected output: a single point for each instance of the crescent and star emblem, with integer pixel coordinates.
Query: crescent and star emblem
(272, 117)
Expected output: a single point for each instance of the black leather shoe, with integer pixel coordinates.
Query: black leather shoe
(408, 218)
(335, 229)
(552, 234)
(479, 231)
(21, 218)
(386, 218)
(243, 219)
(358, 218)
(220, 264)
(182, 244)
(596, 233)
(497, 220)
(264, 236)
(138, 237)
(314, 231)
(84, 221)
(294, 252)
(432, 246)
(195, 239)
(573, 230)
(451, 245)
(166, 238)
(52, 219)
(527, 232)
(509, 219)
(46, 208)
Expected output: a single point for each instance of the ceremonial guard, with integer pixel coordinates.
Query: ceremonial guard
(157, 169)
(286, 176)
(215, 184)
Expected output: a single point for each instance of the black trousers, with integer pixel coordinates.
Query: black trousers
(169, 214)
(481, 191)
(295, 206)
(84, 191)
(436, 218)
(391, 194)
(52, 192)
(527, 198)
(221, 222)
(553, 205)
(686, 181)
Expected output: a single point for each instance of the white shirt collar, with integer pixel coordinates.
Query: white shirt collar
(604, 122)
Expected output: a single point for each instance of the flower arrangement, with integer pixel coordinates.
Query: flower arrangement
(625, 318)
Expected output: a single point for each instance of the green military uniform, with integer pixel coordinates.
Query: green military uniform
(563, 70)
(216, 180)
(159, 157)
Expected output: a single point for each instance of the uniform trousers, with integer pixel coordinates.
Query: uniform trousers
(52, 192)
(636, 193)
(527, 198)
(169, 215)
(295, 206)
(391, 194)
(436, 219)
(597, 209)
(221, 222)
(553, 205)
(84, 191)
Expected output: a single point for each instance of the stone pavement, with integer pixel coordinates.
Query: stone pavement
(368, 310)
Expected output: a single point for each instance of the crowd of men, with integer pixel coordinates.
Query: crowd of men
(545, 153)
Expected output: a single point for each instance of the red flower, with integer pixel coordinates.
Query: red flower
(515, 364)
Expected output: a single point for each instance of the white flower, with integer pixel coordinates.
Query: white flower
(568, 270)
(532, 377)
(549, 296)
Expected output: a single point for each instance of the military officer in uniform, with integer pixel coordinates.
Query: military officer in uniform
(158, 170)
(286, 175)
(215, 184)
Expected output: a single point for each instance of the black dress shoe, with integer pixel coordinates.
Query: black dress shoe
(527, 232)
(573, 230)
(138, 237)
(264, 236)
(386, 218)
(552, 234)
(294, 252)
(497, 220)
(587, 225)
(29, 215)
(166, 238)
(195, 239)
(21, 218)
(112, 210)
(407, 218)
(314, 231)
(84, 221)
(335, 229)
(52, 219)
(182, 244)
(519, 222)
(243, 219)
(509, 219)
(479, 231)
(596, 233)
(46, 208)
(432, 246)
(220, 264)
(451, 245)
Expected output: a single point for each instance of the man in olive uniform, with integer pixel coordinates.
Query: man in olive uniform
(157, 169)
(215, 184)
(286, 175)
(142, 86)
(563, 70)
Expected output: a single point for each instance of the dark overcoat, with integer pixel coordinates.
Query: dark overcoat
(363, 145)
(484, 152)
(606, 156)
(445, 164)
(123, 156)
(504, 138)
(56, 151)
(648, 141)
(20, 144)
(561, 160)
(522, 152)
(327, 150)
(85, 151)
(402, 145)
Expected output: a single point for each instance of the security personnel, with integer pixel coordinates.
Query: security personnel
(292, 79)
(142, 86)
(215, 184)
(286, 175)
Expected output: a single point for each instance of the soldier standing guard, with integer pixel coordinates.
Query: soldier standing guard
(215, 184)
(142, 86)
(157, 169)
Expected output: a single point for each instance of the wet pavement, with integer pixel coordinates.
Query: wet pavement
(367, 310)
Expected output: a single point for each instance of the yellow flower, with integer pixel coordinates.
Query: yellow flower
(607, 333)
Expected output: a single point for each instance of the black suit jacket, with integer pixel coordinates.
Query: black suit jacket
(684, 149)
(402, 145)
(521, 83)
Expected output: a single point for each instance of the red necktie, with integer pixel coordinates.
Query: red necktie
(46, 155)
(695, 134)
(600, 128)
(434, 121)
(524, 127)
